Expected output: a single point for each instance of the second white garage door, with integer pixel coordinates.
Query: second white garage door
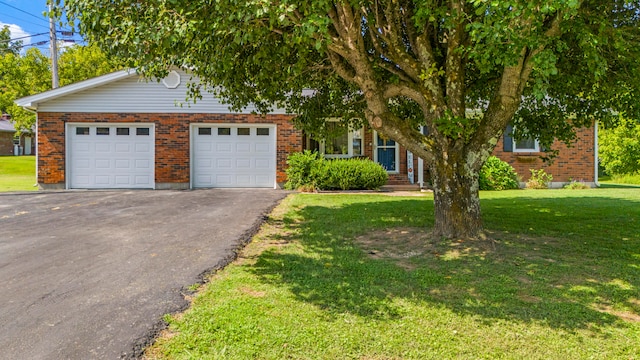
(234, 156)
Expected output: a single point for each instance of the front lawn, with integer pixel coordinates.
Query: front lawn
(357, 277)
(17, 173)
(621, 179)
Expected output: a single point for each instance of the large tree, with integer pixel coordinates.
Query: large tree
(30, 73)
(6, 45)
(464, 69)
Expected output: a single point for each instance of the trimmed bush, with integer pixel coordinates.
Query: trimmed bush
(309, 171)
(353, 174)
(301, 167)
(497, 175)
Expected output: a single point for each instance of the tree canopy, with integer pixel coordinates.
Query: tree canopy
(30, 73)
(546, 66)
(6, 45)
(619, 148)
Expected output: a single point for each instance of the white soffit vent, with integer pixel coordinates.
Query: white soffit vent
(172, 80)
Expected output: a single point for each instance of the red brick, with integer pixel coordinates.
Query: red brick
(171, 140)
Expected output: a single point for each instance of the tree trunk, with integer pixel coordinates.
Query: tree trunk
(456, 200)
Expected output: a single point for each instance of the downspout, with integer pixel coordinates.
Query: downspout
(596, 154)
(36, 140)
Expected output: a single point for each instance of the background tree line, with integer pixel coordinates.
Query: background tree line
(24, 73)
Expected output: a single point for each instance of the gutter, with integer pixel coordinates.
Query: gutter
(595, 141)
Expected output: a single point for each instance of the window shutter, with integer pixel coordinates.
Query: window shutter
(508, 139)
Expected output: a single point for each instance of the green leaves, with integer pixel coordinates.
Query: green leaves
(29, 74)
(619, 148)
(576, 58)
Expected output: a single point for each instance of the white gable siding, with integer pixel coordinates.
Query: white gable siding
(135, 95)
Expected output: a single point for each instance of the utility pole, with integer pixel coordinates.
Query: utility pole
(54, 47)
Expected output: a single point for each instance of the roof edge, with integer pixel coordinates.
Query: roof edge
(31, 102)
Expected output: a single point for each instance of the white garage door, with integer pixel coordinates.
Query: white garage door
(234, 156)
(102, 156)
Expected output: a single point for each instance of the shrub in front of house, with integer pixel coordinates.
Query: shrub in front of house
(301, 167)
(539, 179)
(497, 175)
(353, 174)
(309, 170)
(576, 185)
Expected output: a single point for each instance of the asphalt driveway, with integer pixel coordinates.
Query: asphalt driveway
(89, 274)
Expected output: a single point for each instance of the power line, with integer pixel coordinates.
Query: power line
(22, 11)
(23, 37)
(26, 21)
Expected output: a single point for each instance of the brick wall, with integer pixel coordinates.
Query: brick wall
(6, 143)
(171, 140)
(572, 163)
(576, 162)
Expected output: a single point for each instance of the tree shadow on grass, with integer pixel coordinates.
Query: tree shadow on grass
(571, 282)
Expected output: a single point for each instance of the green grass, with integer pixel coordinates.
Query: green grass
(356, 277)
(17, 173)
(621, 179)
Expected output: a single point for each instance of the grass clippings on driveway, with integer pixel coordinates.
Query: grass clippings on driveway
(359, 277)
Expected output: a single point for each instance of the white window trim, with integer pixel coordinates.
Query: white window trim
(536, 147)
(375, 153)
(349, 153)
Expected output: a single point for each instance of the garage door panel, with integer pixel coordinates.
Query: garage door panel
(142, 180)
(115, 159)
(101, 180)
(123, 164)
(206, 180)
(143, 164)
(83, 163)
(243, 147)
(243, 180)
(202, 146)
(262, 180)
(223, 180)
(82, 180)
(103, 164)
(123, 147)
(103, 147)
(205, 164)
(224, 147)
(243, 163)
(143, 148)
(263, 148)
(263, 164)
(223, 163)
(82, 146)
(240, 159)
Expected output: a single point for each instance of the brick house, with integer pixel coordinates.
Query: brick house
(9, 140)
(117, 131)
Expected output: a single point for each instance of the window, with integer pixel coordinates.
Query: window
(262, 131)
(82, 131)
(102, 131)
(510, 144)
(122, 131)
(224, 131)
(142, 131)
(244, 131)
(345, 144)
(204, 131)
(526, 145)
(386, 153)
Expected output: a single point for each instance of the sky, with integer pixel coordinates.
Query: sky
(25, 19)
